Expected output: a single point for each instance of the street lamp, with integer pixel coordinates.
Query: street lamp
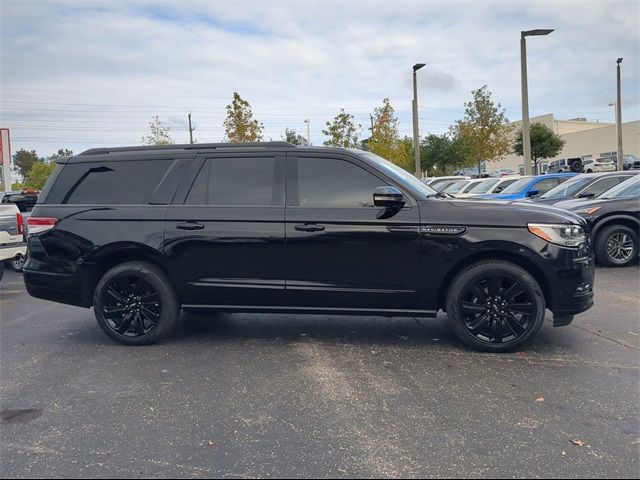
(526, 134)
(308, 131)
(619, 119)
(416, 136)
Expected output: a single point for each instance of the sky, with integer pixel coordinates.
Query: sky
(82, 74)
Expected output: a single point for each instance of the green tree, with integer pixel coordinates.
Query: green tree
(291, 136)
(442, 153)
(158, 133)
(38, 174)
(240, 126)
(385, 139)
(23, 160)
(62, 152)
(544, 144)
(485, 129)
(342, 131)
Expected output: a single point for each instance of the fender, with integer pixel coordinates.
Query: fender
(612, 218)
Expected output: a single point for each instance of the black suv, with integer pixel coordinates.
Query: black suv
(139, 233)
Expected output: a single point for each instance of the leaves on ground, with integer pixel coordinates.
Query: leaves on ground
(540, 400)
(579, 443)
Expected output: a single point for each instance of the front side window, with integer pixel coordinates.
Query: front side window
(518, 185)
(543, 186)
(484, 187)
(235, 181)
(601, 186)
(333, 183)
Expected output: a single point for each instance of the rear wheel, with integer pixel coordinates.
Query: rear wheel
(17, 263)
(135, 304)
(616, 246)
(495, 306)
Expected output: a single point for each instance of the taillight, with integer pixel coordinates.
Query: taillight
(40, 224)
(20, 220)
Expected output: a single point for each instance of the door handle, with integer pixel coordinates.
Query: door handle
(309, 227)
(190, 226)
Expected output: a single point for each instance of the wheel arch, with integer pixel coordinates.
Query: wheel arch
(117, 253)
(513, 257)
(626, 220)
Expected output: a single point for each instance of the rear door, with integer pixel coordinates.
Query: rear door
(224, 234)
(342, 251)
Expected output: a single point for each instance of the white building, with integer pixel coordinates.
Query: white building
(583, 138)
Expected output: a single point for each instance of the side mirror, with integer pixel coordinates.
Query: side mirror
(533, 193)
(587, 194)
(388, 197)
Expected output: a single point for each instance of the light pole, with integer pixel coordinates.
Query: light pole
(416, 136)
(619, 119)
(526, 134)
(308, 131)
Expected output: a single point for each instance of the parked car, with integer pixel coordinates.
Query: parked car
(571, 164)
(137, 233)
(12, 242)
(470, 172)
(530, 187)
(599, 165)
(461, 188)
(629, 162)
(432, 181)
(584, 186)
(614, 222)
(492, 185)
(503, 172)
(442, 186)
(25, 200)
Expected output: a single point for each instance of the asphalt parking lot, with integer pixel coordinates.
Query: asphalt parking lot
(245, 396)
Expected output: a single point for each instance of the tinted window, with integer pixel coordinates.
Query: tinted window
(601, 186)
(234, 181)
(518, 185)
(545, 185)
(109, 183)
(24, 201)
(328, 182)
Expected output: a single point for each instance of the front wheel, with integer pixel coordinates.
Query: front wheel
(495, 306)
(616, 246)
(135, 304)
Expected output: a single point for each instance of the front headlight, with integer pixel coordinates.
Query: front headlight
(564, 235)
(587, 211)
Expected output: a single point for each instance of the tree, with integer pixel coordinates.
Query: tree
(240, 126)
(62, 152)
(38, 174)
(342, 131)
(544, 144)
(442, 152)
(158, 133)
(292, 137)
(385, 138)
(23, 160)
(485, 130)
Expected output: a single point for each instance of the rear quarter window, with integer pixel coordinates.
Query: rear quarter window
(108, 183)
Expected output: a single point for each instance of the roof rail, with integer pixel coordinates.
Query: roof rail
(189, 146)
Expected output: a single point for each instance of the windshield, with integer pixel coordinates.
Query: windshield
(568, 188)
(399, 174)
(628, 188)
(517, 186)
(485, 186)
(457, 186)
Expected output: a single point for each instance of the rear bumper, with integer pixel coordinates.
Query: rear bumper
(56, 287)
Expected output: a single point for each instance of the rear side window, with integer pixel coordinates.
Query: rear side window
(108, 183)
(601, 186)
(236, 181)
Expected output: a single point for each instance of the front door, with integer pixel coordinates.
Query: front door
(224, 234)
(342, 251)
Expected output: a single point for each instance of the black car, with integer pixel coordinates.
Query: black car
(138, 233)
(614, 222)
(584, 186)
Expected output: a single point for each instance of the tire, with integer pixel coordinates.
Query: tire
(17, 263)
(576, 166)
(135, 304)
(589, 171)
(1, 270)
(616, 246)
(487, 324)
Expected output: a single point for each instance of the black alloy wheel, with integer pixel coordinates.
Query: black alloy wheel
(135, 303)
(498, 309)
(495, 306)
(131, 306)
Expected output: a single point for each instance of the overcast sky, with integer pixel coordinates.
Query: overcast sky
(81, 74)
